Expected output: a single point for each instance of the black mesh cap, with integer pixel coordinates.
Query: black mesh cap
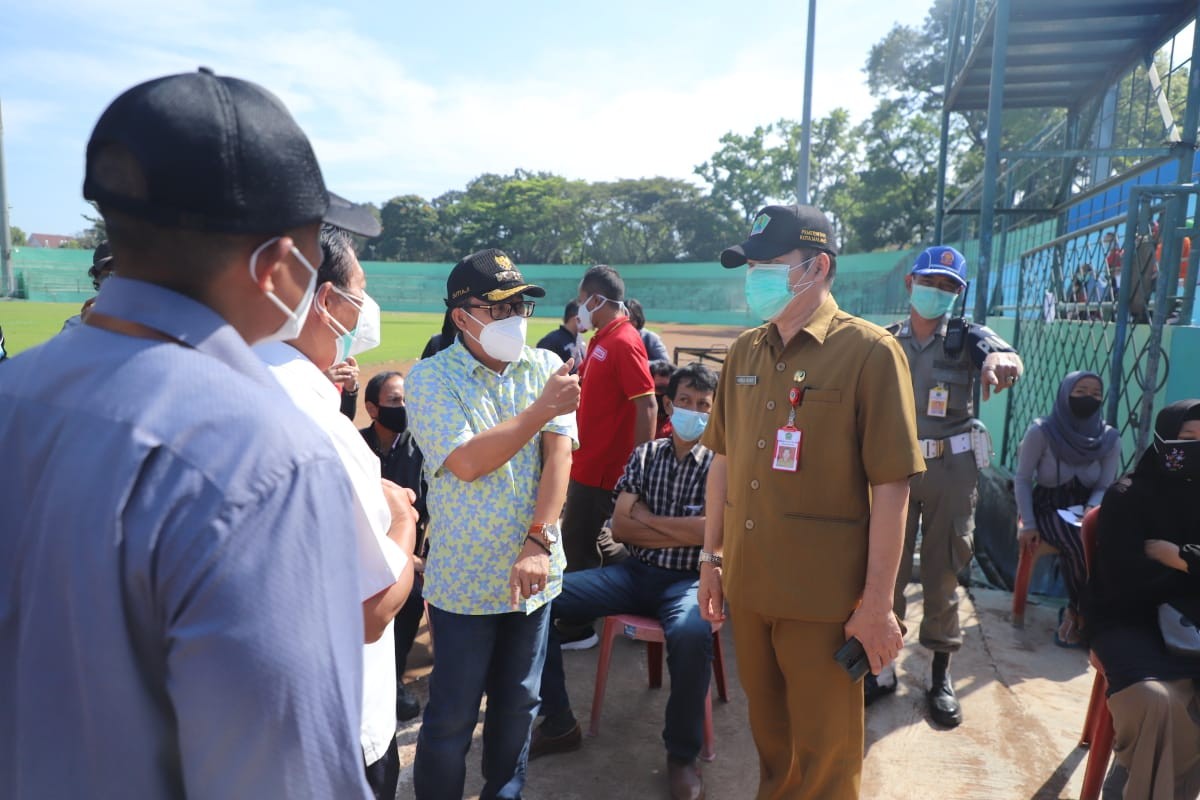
(214, 154)
(781, 229)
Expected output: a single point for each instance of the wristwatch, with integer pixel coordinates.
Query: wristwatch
(545, 534)
(710, 558)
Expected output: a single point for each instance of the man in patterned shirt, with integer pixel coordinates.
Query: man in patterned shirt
(495, 420)
(659, 516)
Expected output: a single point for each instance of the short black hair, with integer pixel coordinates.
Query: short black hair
(699, 377)
(375, 385)
(662, 369)
(571, 310)
(636, 315)
(605, 281)
(337, 255)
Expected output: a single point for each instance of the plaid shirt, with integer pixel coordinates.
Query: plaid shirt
(670, 488)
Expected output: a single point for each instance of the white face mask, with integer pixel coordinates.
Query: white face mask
(584, 315)
(364, 336)
(503, 339)
(291, 326)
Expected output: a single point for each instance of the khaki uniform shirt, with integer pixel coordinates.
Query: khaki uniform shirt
(795, 543)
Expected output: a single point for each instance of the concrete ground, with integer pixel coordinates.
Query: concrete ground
(1023, 699)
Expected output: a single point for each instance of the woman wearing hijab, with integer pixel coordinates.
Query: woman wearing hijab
(1067, 458)
(1147, 554)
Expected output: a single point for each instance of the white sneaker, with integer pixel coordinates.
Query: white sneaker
(586, 643)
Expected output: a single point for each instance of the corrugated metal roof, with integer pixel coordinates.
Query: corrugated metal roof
(1062, 52)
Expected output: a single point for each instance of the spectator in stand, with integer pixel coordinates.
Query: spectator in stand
(616, 413)
(565, 341)
(1146, 575)
(440, 341)
(342, 320)
(655, 349)
(102, 266)
(390, 439)
(1072, 456)
(661, 372)
(660, 516)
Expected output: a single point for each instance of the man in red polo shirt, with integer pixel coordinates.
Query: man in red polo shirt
(616, 412)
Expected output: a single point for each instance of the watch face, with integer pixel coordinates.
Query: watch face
(551, 533)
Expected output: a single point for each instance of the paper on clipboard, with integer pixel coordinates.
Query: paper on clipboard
(1072, 515)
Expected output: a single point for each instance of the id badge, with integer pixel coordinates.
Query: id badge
(787, 450)
(939, 400)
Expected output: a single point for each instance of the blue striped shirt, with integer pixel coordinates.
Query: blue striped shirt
(179, 610)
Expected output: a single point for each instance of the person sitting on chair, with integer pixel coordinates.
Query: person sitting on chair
(1073, 457)
(659, 515)
(1145, 577)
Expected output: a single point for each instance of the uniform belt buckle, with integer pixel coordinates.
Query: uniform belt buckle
(932, 448)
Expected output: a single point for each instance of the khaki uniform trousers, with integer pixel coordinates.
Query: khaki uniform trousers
(806, 715)
(1157, 738)
(942, 504)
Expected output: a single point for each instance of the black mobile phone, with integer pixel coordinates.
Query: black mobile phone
(853, 658)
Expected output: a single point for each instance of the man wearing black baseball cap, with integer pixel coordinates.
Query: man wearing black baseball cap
(102, 267)
(812, 427)
(182, 595)
(495, 420)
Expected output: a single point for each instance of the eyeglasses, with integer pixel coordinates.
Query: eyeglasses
(499, 311)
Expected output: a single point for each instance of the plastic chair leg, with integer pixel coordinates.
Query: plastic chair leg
(1098, 757)
(606, 644)
(719, 668)
(708, 752)
(1021, 585)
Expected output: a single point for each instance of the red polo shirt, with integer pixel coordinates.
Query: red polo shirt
(614, 372)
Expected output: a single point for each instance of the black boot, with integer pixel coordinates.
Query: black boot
(943, 705)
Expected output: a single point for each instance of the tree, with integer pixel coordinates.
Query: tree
(17, 235)
(411, 232)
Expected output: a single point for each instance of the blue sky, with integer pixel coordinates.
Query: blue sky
(407, 97)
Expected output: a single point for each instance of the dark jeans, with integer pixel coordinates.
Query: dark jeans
(408, 621)
(585, 543)
(634, 587)
(502, 655)
(384, 774)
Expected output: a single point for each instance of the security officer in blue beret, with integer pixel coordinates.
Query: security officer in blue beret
(945, 357)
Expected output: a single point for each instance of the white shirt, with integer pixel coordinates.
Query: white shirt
(381, 560)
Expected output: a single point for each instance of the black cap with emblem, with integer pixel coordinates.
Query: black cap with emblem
(781, 229)
(487, 275)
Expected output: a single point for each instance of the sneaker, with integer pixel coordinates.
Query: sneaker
(407, 705)
(584, 640)
(542, 745)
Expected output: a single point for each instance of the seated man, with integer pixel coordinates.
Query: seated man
(659, 515)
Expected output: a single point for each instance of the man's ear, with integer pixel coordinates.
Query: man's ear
(320, 304)
(270, 260)
(372, 409)
(668, 406)
(908, 282)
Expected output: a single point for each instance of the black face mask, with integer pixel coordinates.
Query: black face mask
(1083, 407)
(1179, 458)
(394, 418)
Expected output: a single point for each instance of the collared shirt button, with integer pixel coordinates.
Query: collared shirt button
(762, 443)
(780, 367)
(770, 405)
(749, 524)
(754, 484)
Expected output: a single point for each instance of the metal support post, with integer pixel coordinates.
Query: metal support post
(806, 121)
(7, 289)
(991, 162)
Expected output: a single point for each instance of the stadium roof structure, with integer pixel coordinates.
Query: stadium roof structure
(1061, 53)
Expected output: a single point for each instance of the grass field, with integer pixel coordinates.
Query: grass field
(28, 324)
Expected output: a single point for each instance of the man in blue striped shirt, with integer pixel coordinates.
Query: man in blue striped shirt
(659, 515)
(179, 610)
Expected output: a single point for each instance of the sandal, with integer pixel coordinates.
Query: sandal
(1072, 640)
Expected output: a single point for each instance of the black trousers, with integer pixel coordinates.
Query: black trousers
(384, 775)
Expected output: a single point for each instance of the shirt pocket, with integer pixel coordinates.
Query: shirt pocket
(957, 381)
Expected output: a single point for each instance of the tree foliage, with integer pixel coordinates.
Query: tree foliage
(17, 235)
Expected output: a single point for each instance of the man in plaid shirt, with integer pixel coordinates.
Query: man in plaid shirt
(659, 516)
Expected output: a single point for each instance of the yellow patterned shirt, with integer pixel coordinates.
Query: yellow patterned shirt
(476, 529)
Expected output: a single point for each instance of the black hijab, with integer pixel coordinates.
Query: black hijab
(1167, 425)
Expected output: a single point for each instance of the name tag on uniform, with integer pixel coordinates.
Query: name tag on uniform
(939, 399)
(747, 380)
(787, 449)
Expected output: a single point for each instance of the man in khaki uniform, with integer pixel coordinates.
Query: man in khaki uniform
(814, 432)
(944, 365)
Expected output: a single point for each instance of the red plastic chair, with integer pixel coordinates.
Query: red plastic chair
(648, 630)
(1025, 563)
(1097, 725)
